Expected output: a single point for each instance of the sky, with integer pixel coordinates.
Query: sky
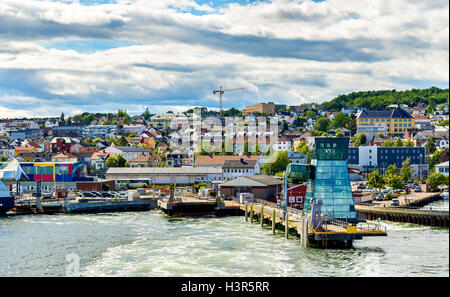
(74, 56)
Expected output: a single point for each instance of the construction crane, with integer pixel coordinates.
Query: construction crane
(220, 91)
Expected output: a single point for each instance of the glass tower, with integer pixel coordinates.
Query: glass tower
(332, 183)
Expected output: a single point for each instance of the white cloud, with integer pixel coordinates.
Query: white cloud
(289, 51)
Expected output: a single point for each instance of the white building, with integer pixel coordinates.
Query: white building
(283, 144)
(128, 152)
(99, 131)
(168, 175)
(297, 158)
(442, 168)
(236, 168)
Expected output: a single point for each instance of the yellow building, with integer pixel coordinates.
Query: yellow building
(396, 121)
(149, 143)
(267, 108)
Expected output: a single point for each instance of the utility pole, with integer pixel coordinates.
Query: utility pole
(221, 91)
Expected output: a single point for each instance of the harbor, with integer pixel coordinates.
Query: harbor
(151, 244)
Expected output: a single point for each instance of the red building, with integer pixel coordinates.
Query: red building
(62, 144)
(296, 196)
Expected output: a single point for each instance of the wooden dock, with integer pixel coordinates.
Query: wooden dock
(333, 233)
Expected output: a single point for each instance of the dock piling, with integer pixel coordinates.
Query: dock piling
(286, 229)
(246, 211)
(262, 215)
(251, 213)
(274, 222)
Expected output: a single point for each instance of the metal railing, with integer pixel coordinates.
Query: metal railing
(371, 227)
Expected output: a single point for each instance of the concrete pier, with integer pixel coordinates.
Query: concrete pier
(86, 206)
(436, 218)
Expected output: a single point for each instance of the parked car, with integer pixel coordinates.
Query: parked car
(107, 194)
(417, 189)
(380, 197)
(444, 195)
(123, 194)
(361, 186)
(88, 194)
(114, 193)
(395, 202)
(96, 194)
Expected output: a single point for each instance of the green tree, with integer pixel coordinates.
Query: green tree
(117, 161)
(409, 143)
(360, 139)
(436, 179)
(339, 134)
(430, 145)
(310, 114)
(62, 117)
(376, 180)
(398, 142)
(391, 169)
(245, 152)
(388, 143)
(122, 141)
(276, 163)
(3, 158)
(394, 181)
(121, 161)
(111, 162)
(146, 114)
(322, 124)
(406, 171)
(436, 157)
(340, 120)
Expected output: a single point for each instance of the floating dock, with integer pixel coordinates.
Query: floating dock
(196, 206)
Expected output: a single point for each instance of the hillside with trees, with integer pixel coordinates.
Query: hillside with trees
(381, 99)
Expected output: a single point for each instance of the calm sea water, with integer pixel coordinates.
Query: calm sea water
(151, 244)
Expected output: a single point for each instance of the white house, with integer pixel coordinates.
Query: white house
(128, 152)
(236, 168)
(442, 168)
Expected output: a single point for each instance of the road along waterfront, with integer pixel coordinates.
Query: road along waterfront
(152, 244)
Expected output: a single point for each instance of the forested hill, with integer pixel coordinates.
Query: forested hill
(381, 99)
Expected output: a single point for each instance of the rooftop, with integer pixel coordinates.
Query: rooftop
(396, 113)
(164, 170)
(219, 160)
(241, 163)
(252, 181)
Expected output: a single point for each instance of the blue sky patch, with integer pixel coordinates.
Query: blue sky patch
(88, 46)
